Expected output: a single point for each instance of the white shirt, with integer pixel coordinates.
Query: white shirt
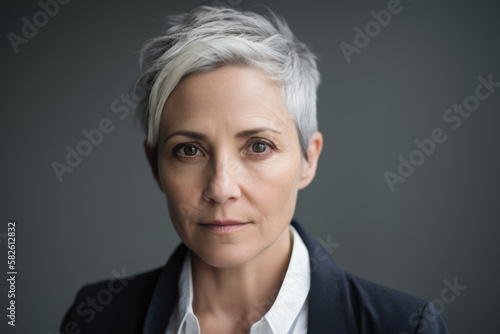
(287, 315)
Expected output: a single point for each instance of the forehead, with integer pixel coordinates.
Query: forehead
(234, 95)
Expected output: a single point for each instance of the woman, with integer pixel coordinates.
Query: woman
(229, 108)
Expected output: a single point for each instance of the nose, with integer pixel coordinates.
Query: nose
(222, 184)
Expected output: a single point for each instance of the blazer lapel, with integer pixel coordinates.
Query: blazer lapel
(165, 294)
(330, 307)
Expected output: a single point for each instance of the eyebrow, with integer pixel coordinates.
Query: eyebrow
(200, 136)
(251, 132)
(191, 134)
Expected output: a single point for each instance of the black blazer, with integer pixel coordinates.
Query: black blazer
(338, 302)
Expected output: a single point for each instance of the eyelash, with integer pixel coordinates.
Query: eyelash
(270, 147)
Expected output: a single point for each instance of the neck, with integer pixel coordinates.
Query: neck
(244, 293)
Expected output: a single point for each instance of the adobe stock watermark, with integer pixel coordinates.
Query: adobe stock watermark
(373, 28)
(92, 305)
(453, 117)
(327, 245)
(121, 107)
(448, 295)
(30, 27)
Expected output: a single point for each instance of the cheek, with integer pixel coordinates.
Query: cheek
(182, 190)
(274, 184)
(180, 184)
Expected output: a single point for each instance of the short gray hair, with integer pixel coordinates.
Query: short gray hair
(208, 38)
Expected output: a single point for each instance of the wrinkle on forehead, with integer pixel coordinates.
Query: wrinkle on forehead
(226, 100)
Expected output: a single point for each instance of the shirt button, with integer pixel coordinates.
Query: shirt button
(263, 325)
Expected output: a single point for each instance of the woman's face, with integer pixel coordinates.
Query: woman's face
(229, 154)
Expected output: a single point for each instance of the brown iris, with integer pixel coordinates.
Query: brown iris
(259, 147)
(190, 150)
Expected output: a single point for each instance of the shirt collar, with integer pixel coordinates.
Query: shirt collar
(185, 307)
(285, 309)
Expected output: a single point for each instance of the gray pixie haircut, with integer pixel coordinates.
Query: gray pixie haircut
(208, 38)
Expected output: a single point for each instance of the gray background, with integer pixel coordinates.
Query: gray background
(109, 214)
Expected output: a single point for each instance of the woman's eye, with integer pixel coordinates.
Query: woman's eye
(188, 150)
(259, 147)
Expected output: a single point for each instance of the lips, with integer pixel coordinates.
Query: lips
(224, 226)
(224, 222)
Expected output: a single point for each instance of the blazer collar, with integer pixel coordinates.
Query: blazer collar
(165, 294)
(329, 299)
(330, 305)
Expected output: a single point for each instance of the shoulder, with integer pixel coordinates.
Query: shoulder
(374, 296)
(379, 309)
(355, 305)
(121, 305)
(105, 306)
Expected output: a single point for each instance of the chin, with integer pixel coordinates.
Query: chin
(225, 256)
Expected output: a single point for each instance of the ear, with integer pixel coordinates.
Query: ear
(309, 166)
(152, 155)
